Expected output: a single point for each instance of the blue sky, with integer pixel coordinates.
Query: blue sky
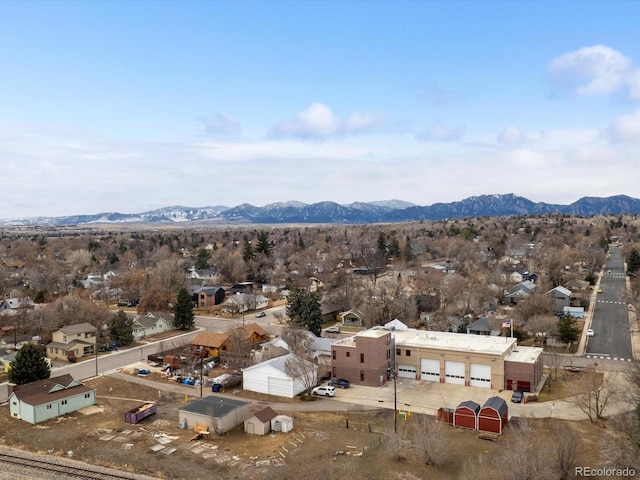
(130, 106)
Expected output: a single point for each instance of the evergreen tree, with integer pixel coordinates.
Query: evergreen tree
(382, 244)
(568, 329)
(121, 328)
(202, 260)
(633, 262)
(247, 251)
(30, 365)
(184, 318)
(264, 245)
(303, 309)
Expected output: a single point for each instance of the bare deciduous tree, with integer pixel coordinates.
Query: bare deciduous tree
(596, 389)
(430, 439)
(567, 443)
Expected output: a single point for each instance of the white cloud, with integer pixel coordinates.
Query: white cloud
(511, 136)
(439, 133)
(591, 70)
(626, 128)
(318, 123)
(221, 125)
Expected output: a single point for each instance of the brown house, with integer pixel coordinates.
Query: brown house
(364, 359)
(251, 333)
(213, 343)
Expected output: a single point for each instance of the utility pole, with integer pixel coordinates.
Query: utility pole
(395, 405)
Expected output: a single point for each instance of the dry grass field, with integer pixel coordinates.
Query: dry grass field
(320, 445)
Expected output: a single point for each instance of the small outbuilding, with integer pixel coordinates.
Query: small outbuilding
(466, 415)
(260, 422)
(282, 423)
(218, 413)
(493, 415)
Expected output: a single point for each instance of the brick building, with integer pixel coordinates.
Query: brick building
(364, 359)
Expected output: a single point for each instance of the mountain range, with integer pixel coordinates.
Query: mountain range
(354, 213)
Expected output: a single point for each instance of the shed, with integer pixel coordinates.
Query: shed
(218, 413)
(260, 422)
(282, 423)
(466, 414)
(271, 376)
(493, 415)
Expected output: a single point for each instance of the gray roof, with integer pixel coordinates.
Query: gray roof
(498, 404)
(470, 404)
(213, 406)
(480, 325)
(78, 328)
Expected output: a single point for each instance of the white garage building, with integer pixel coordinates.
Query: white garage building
(271, 376)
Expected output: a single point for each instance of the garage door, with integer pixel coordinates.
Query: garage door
(280, 387)
(430, 370)
(406, 371)
(480, 375)
(454, 372)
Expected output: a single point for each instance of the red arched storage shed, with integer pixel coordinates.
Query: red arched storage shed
(493, 416)
(465, 415)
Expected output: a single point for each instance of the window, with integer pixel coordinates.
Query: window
(49, 407)
(388, 354)
(407, 353)
(87, 395)
(348, 354)
(362, 358)
(362, 375)
(334, 372)
(333, 354)
(398, 352)
(64, 402)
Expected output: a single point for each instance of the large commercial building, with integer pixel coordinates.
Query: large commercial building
(372, 356)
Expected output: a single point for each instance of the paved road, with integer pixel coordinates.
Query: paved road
(610, 320)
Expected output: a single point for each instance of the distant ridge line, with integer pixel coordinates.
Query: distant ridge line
(354, 213)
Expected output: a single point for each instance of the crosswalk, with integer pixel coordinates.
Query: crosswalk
(612, 301)
(615, 275)
(597, 356)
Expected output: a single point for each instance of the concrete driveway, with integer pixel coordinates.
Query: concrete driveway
(428, 397)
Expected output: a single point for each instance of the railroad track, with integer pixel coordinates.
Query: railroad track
(46, 467)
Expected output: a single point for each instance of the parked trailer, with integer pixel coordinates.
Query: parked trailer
(141, 412)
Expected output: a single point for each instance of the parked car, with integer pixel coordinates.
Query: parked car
(590, 332)
(260, 314)
(333, 330)
(517, 396)
(339, 382)
(324, 391)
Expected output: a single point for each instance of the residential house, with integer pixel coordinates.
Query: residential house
(213, 343)
(561, 298)
(251, 333)
(274, 376)
(395, 325)
(204, 297)
(151, 324)
(519, 291)
(72, 341)
(243, 302)
(363, 359)
(351, 318)
(482, 326)
(329, 311)
(206, 276)
(12, 306)
(39, 401)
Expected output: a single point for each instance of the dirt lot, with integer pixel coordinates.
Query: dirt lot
(320, 445)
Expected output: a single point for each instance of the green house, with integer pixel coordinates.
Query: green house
(39, 401)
